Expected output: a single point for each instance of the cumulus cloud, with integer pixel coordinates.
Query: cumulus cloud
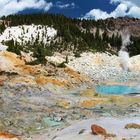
(61, 5)
(14, 6)
(124, 8)
(99, 14)
(96, 14)
(128, 2)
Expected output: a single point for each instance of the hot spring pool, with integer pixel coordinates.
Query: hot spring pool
(110, 89)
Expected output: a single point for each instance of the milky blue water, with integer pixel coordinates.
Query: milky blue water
(107, 89)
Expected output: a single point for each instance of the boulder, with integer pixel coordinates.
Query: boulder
(98, 130)
(109, 135)
(8, 136)
(1, 83)
(132, 125)
(82, 131)
(55, 60)
(28, 57)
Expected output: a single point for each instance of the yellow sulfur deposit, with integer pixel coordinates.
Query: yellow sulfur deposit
(89, 103)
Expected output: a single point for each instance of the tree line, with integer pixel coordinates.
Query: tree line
(73, 34)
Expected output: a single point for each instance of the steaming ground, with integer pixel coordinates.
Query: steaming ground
(103, 67)
(124, 60)
(123, 53)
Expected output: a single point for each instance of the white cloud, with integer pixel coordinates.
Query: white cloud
(61, 5)
(121, 10)
(134, 11)
(124, 8)
(13, 6)
(128, 2)
(96, 14)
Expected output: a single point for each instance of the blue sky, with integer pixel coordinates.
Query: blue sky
(82, 7)
(88, 9)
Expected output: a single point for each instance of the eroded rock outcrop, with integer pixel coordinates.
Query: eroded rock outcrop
(9, 62)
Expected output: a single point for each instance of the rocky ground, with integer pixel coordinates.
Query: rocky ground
(48, 102)
(106, 67)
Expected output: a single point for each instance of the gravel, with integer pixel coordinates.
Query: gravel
(104, 67)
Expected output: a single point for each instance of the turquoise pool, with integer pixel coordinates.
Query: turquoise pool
(109, 89)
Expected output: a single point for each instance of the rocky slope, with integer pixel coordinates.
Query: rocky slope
(132, 24)
(106, 67)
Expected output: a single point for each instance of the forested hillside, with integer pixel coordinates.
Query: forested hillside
(74, 35)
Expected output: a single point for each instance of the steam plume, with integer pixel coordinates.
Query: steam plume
(123, 53)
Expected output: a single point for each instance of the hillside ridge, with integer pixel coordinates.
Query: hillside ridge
(30, 33)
